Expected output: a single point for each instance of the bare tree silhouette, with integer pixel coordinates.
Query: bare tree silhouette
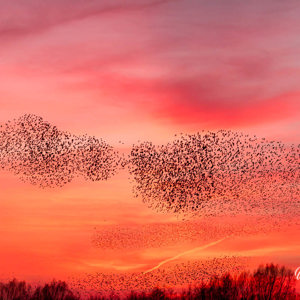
(265, 283)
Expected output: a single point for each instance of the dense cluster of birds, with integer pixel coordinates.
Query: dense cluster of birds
(222, 171)
(43, 155)
(208, 172)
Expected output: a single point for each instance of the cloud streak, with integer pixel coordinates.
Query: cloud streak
(195, 65)
(24, 18)
(185, 253)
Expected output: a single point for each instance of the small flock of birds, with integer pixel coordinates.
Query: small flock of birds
(208, 172)
(43, 155)
(175, 275)
(187, 234)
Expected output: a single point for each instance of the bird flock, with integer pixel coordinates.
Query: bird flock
(208, 172)
(186, 233)
(216, 171)
(179, 275)
(41, 154)
(179, 268)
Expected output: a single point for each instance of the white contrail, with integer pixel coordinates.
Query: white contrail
(187, 252)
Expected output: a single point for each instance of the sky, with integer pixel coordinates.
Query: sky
(138, 70)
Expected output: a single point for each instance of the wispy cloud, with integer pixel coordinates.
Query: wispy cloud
(21, 18)
(185, 253)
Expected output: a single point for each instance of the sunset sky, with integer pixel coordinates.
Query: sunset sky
(139, 70)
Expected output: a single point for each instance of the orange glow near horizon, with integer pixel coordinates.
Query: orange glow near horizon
(141, 71)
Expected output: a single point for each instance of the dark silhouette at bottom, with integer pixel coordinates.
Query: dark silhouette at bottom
(267, 282)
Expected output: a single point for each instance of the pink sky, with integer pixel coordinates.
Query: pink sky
(129, 71)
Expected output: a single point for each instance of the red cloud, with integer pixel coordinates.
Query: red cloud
(225, 114)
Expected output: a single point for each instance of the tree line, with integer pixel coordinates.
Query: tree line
(267, 282)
